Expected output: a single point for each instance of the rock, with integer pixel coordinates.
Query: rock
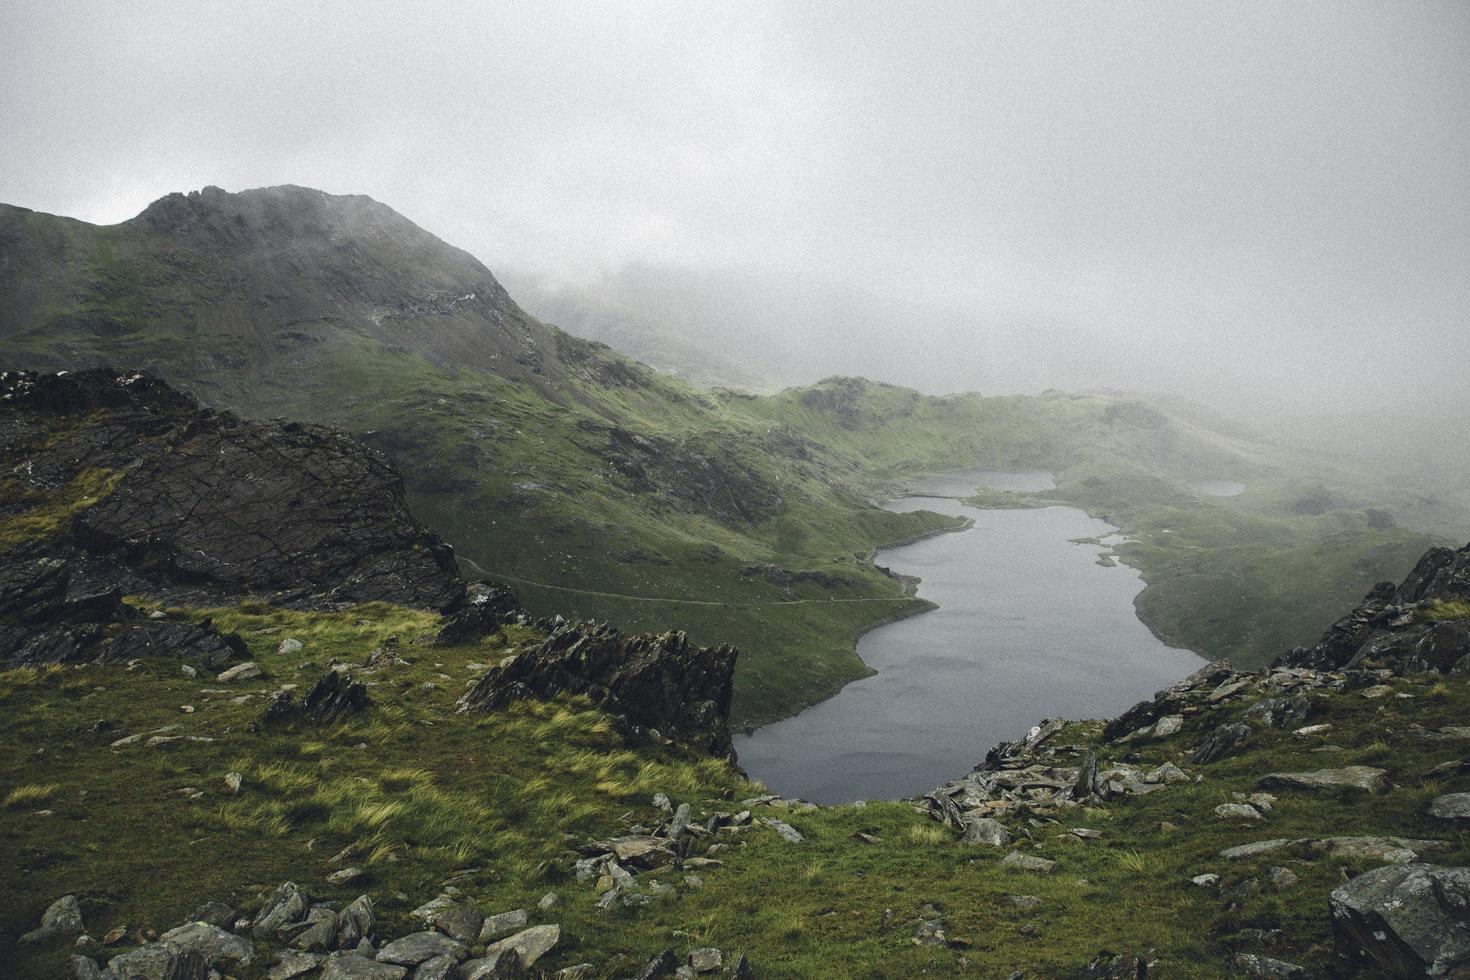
(706, 960)
(461, 922)
(1389, 850)
(503, 924)
(1364, 778)
(501, 966)
(1260, 847)
(188, 965)
(248, 671)
(1224, 741)
(784, 829)
(1167, 773)
(1255, 965)
(652, 682)
(331, 698)
(1378, 691)
(86, 968)
(1086, 782)
(1281, 878)
(1237, 811)
(233, 781)
(548, 901)
(288, 646)
(531, 944)
(345, 876)
(984, 830)
(1311, 730)
(1108, 965)
(318, 934)
(356, 923)
(213, 943)
(286, 905)
(740, 969)
(1405, 921)
(413, 949)
(1207, 880)
(1027, 862)
(350, 966)
(297, 513)
(437, 968)
(665, 964)
(293, 963)
(1282, 712)
(62, 919)
(148, 962)
(485, 610)
(1451, 806)
(1227, 689)
(213, 914)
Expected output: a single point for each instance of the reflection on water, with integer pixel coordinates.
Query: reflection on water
(1028, 626)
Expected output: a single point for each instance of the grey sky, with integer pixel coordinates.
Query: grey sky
(1211, 196)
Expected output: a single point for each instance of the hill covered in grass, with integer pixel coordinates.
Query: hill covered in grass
(600, 488)
(366, 767)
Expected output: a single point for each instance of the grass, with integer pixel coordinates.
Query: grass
(29, 795)
(1440, 611)
(50, 511)
(500, 796)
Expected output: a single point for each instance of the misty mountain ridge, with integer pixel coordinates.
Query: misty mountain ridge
(593, 481)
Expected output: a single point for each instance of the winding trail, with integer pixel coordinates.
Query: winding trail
(687, 602)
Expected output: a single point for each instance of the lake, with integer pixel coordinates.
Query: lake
(1029, 626)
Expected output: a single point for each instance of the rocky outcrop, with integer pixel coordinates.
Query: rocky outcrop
(486, 608)
(133, 480)
(1395, 627)
(1406, 921)
(118, 484)
(652, 683)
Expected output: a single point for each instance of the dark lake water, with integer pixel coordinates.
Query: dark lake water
(1028, 626)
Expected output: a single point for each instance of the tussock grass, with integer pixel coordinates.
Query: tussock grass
(1438, 611)
(930, 833)
(29, 795)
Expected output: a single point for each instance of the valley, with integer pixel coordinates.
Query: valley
(602, 489)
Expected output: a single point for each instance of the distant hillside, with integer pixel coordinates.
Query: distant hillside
(598, 487)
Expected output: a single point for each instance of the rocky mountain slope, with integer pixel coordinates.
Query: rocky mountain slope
(465, 791)
(603, 489)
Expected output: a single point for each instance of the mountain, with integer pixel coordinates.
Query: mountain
(597, 487)
(331, 757)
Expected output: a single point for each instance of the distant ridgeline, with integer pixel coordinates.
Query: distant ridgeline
(606, 490)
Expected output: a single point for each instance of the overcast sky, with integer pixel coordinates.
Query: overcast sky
(1266, 196)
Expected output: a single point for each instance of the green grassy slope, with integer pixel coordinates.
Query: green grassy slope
(600, 488)
(419, 794)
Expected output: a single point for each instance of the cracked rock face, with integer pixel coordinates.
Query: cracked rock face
(154, 495)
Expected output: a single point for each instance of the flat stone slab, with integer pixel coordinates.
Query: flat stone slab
(1451, 806)
(1364, 778)
(1028, 862)
(532, 943)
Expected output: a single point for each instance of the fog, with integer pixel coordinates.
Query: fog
(1261, 205)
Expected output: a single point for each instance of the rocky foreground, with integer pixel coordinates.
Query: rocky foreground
(270, 732)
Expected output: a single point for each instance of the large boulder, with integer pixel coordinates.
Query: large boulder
(1406, 921)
